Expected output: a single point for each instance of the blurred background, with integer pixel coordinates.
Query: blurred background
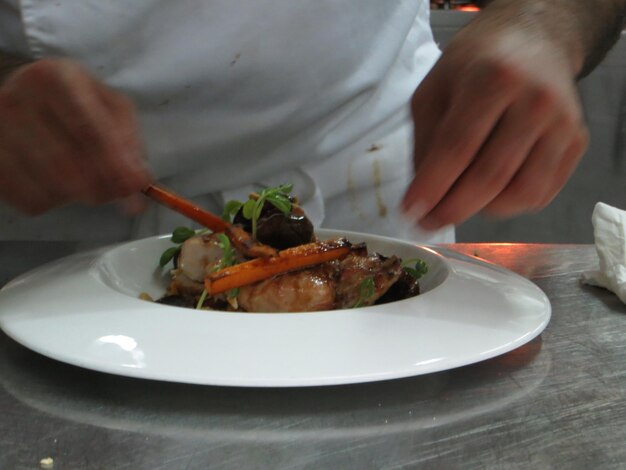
(601, 176)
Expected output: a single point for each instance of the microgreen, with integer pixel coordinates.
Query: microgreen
(230, 210)
(366, 291)
(227, 259)
(251, 209)
(228, 256)
(168, 254)
(179, 236)
(418, 269)
(201, 299)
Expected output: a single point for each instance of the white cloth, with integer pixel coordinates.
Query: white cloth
(609, 229)
(232, 94)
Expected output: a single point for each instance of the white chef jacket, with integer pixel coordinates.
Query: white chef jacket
(235, 94)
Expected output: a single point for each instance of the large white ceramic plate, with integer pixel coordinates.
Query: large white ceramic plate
(85, 310)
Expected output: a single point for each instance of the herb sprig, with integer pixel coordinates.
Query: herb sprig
(415, 267)
(228, 256)
(251, 209)
(179, 236)
(366, 291)
(227, 259)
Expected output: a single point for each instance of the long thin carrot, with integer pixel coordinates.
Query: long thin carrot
(242, 240)
(291, 259)
(185, 207)
(247, 245)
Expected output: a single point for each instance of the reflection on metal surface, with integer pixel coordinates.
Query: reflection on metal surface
(233, 415)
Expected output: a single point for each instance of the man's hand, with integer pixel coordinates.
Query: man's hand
(498, 122)
(65, 137)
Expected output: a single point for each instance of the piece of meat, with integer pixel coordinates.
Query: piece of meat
(198, 253)
(356, 269)
(182, 285)
(307, 290)
(332, 285)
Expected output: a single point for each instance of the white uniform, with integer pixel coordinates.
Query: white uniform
(236, 93)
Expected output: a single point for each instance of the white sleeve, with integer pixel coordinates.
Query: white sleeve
(12, 35)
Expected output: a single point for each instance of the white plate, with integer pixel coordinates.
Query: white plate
(84, 310)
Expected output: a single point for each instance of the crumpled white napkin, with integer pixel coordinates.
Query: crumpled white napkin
(609, 230)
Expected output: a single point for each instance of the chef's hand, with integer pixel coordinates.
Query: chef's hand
(65, 137)
(498, 126)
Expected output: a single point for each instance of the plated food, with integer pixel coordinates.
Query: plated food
(264, 256)
(84, 310)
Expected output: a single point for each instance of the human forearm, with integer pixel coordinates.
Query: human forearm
(585, 29)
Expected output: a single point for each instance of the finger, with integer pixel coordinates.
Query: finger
(569, 162)
(101, 142)
(496, 163)
(428, 106)
(133, 204)
(545, 170)
(47, 158)
(19, 191)
(18, 187)
(122, 111)
(459, 137)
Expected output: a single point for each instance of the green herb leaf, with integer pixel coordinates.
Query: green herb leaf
(230, 210)
(248, 208)
(366, 291)
(231, 294)
(180, 234)
(258, 208)
(201, 299)
(168, 254)
(281, 202)
(228, 256)
(419, 268)
(285, 188)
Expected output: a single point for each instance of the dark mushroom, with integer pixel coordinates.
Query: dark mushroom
(277, 229)
(405, 287)
(284, 230)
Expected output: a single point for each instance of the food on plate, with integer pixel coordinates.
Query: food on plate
(267, 258)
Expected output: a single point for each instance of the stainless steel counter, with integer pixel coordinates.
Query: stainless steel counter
(558, 402)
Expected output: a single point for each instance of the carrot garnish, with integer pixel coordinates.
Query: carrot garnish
(291, 259)
(185, 207)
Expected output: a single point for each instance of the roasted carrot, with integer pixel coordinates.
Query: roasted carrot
(247, 245)
(185, 207)
(291, 259)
